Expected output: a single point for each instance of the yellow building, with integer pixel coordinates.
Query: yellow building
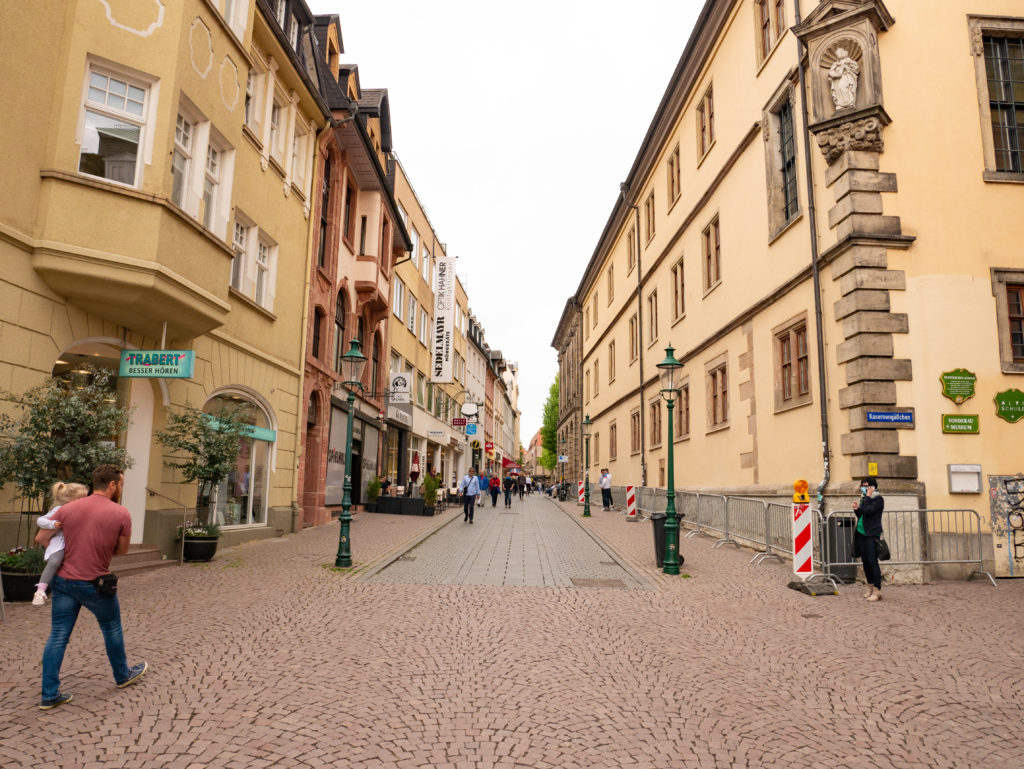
(823, 220)
(158, 166)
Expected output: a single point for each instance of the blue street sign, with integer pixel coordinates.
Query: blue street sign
(891, 417)
(470, 429)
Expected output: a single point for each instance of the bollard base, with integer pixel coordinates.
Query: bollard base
(632, 518)
(813, 588)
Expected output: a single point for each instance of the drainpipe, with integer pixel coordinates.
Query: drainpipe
(826, 451)
(623, 188)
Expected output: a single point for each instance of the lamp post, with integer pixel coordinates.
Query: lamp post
(667, 371)
(352, 363)
(587, 427)
(561, 464)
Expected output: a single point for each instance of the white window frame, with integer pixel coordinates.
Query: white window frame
(424, 327)
(410, 320)
(265, 270)
(243, 234)
(398, 299)
(181, 158)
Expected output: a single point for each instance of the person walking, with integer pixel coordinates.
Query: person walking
(52, 537)
(869, 529)
(495, 488)
(605, 484)
(508, 484)
(522, 486)
(96, 528)
(484, 483)
(469, 487)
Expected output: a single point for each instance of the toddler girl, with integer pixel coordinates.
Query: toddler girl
(53, 538)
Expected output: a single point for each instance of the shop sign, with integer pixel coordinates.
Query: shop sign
(1010, 404)
(475, 444)
(562, 459)
(158, 364)
(960, 423)
(458, 421)
(470, 429)
(401, 414)
(400, 389)
(443, 337)
(435, 435)
(958, 384)
(891, 417)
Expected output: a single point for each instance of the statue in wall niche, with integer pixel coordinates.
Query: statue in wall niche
(843, 78)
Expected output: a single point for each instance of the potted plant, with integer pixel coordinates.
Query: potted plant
(20, 569)
(206, 449)
(430, 486)
(372, 494)
(198, 540)
(64, 431)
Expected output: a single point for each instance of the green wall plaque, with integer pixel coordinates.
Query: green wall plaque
(958, 384)
(1010, 404)
(960, 423)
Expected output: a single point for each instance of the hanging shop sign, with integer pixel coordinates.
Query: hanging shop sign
(443, 338)
(960, 423)
(471, 429)
(1010, 404)
(958, 384)
(475, 444)
(458, 421)
(401, 389)
(158, 364)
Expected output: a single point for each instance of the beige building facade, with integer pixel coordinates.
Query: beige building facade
(159, 176)
(823, 220)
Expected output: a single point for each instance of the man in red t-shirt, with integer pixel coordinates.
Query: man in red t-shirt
(96, 528)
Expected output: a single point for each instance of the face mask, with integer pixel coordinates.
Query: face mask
(863, 491)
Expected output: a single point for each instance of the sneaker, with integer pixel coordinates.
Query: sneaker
(135, 672)
(60, 699)
(39, 598)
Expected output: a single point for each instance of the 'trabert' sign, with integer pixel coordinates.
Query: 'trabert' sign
(158, 364)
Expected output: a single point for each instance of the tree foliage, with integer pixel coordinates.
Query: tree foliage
(549, 429)
(205, 447)
(65, 429)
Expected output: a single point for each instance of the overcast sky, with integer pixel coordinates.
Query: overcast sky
(516, 122)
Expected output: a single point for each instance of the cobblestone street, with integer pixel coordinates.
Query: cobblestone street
(267, 657)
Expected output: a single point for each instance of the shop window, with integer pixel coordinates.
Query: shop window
(241, 498)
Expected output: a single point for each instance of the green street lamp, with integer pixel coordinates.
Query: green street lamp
(352, 363)
(587, 427)
(667, 371)
(561, 464)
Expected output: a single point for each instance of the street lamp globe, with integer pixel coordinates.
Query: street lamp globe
(352, 363)
(587, 426)
(668, 370)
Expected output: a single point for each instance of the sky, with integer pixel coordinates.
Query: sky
(516, 123)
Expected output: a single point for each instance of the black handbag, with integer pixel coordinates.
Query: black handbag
(882, 549)
(106, 585)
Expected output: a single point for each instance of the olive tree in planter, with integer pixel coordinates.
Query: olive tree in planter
(61, 430)
(204, 448)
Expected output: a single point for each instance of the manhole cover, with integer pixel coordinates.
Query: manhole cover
(597, 582)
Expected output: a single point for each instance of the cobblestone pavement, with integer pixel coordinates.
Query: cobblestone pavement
(267, 658)
(531, 544)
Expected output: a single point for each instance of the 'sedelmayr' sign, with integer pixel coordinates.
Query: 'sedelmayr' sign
(444, 321)
(161, 364)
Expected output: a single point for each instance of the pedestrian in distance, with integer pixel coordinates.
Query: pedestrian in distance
(469, 488)
(494, 486)
(484, 482)
(605, 484)
(508, 484)
(522, 486)
(96, 528)
(51, 537)
(869, 528)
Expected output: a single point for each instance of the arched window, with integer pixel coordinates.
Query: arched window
(325, 207)
(339, 330)
(311, 409)
(318, 329)
(241, 498)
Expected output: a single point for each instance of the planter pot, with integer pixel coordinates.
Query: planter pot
(428, 510)
(19, 586)
(200, 548)
(371, 507)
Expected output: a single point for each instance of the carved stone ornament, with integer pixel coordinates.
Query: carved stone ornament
(977, 41)
(863, 134)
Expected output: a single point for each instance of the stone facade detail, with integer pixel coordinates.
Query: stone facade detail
(863, 134)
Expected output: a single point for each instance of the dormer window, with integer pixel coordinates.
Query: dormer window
(293, 32)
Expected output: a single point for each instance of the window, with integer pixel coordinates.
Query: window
(415, 253)
(263, 278)
(634, 432)
(634, 337)
(240, 247)
(649, 217)
(586, 387)
(241, 498)
(631, 250)
(293, 32)
(424, 327)
(770, 21)
(611, 283)
(254, 84)
(349, 214)
(681, 413)
(674, 183)
(410, 319)
(318, 328)
(254, 265)
(586, 321)
(654, 411)
(595, 305)
(792, 371)
(712, 255)
(678, 291)
(276, 131)
(421, 387)
(997, 45)
(1008, 290)
(299, 159)
(211, 186)
(325, 208)
(611, 362)
(425, 263)
(116, 109)
(787, 159)
(181, 158)
(717, 393)
(613, 440)
(705, 123)
(339, 330)
(652, 317)
(398, 299)
(597, 378)
(279, 12)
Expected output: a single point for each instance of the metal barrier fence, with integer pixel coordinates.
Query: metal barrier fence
(916, 537)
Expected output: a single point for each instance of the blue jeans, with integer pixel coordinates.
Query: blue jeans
(508, 497)
(69, 596)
